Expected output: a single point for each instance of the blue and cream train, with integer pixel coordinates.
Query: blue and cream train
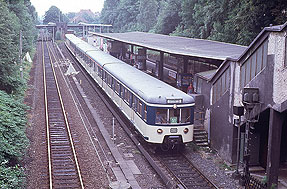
(161, 113)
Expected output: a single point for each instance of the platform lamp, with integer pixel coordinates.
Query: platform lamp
(238, 111)
(250, 98)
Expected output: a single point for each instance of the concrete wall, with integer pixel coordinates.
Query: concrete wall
(276, 47)
(221, 131)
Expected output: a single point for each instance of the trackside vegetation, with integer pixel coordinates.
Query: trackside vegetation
(15, 16)
(230, 21)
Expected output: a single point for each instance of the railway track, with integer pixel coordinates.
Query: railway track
(64, 170)
(185, 172)
(180, 168)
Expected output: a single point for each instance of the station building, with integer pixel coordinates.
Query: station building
(263, 65)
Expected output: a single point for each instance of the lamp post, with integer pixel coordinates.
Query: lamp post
(250, 99)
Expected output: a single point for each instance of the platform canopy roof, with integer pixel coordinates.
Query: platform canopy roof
(178, 45)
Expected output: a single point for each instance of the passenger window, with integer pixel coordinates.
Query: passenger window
(100, 73)
(161, 115)
(134, 104)
(145, 113)
(139, 109)
(117, 87)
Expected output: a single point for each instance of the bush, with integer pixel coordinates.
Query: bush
(13, 140)
(11, 177)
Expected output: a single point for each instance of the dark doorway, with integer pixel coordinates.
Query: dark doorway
(283, 146)
(262, 128)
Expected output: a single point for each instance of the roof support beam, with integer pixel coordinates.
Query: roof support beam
(274, 141)
(160, 66)
(185, 64)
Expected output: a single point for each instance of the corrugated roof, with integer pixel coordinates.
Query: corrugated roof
(207, 74)
(178, 45)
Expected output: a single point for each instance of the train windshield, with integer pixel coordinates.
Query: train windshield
(172, 116)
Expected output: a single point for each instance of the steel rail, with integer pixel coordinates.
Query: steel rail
(84, 116)
(66, 123)
(47, 118)
(185, 171)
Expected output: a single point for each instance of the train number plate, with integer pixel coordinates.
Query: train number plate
(173, 130)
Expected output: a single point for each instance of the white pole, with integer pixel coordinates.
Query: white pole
(113, 129)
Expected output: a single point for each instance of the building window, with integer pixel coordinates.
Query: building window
(221, 85)
(254, 64)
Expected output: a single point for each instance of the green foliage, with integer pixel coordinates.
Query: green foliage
(26, 23)
(9, 28)
(11, 177)
(54, 15)
(13, 140)
(127, 15)
(147, 17)
(109, 12)
(13, 18)
(230, 21)
(15, 15)
(12, 127)
(168, 18)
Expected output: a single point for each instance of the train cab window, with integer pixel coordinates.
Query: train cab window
(185, 115)
(174, 116)
(161, 115)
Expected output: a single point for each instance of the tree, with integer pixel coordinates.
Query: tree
(110, 12)
(53, 15)
(127, 16)
(148, 12)
(26, 23)
(9, 32)
(169, 17)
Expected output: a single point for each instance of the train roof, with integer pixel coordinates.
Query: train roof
(101, 58)
(150, 89)
(84, 46)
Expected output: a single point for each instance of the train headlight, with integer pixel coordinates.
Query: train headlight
(159, 131)
(185, 130)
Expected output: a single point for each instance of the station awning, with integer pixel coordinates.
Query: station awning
(174, 45)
